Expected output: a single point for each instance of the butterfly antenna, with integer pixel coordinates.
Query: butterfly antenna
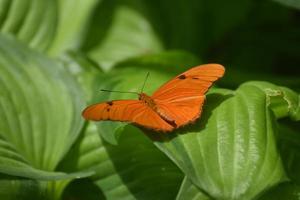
(145, 81)
(104, 90)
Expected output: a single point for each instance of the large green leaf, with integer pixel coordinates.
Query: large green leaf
(134, 169)
(289, 145)
(117, 32)
(231, 151)
(122, 29)
(31, 21)
(40, 106)
(52, 26)
(87, 73)
(72, 21)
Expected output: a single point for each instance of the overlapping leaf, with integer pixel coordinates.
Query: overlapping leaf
(122, 29)
(31, 21)
(87, 73)
(235, 138)
(72, 21)
(53, 26)
(118, 32)
(134, 169)
(40, 112)
(16, 188)
(231, 153)
(13, 188)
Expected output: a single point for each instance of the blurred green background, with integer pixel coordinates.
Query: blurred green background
(55, 55)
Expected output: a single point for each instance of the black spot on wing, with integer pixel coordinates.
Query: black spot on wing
(172, 123)
(110, 103)
(169, 121)
(182, 76)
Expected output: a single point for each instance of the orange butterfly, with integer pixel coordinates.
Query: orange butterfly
(176, 103)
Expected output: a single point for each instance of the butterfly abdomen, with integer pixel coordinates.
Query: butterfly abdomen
(167, 118)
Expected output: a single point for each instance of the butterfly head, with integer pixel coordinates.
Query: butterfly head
(143, 96)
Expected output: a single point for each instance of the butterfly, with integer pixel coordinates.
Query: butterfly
(176, 103)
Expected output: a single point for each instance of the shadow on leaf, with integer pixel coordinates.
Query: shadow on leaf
(213, 101)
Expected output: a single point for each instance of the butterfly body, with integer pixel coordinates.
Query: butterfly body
(148, 101)
(175, 104)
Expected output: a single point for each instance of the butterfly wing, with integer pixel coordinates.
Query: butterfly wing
(181, 99)
(134, 111)
(194, 81)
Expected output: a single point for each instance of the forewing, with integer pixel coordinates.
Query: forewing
(194, 82)
(134, 111)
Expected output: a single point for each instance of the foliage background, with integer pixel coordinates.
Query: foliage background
(56, 54)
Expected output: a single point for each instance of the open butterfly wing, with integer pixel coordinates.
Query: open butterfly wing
(181, 98)
(134, 111)
(193, 82)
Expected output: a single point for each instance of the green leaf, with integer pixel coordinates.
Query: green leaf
(72, 21)
(231, 151)
(31, 21)
(171, 62)
(189, 191)
(134, 169)
(87, 73)
(20, 189)
(40, 106)
(53, 26)
(122, 29)
(118, 32)
(14, 188)
(283, 101)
